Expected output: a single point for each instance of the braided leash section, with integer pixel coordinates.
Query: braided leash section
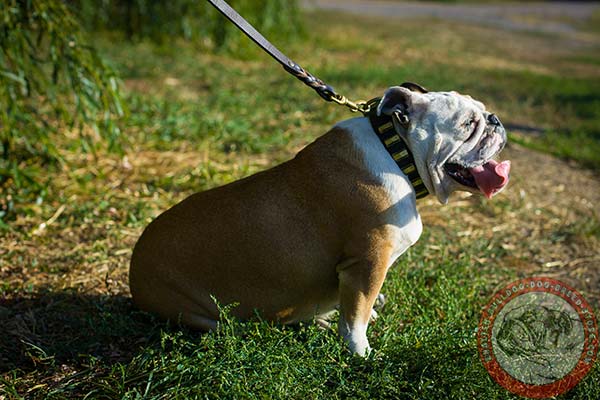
(324, 90)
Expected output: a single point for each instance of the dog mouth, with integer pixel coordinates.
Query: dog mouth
(488, 178)
(461, 175)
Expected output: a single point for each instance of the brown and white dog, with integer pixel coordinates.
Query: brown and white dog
(321, 230)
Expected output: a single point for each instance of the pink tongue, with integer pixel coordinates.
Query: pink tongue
(491, 177)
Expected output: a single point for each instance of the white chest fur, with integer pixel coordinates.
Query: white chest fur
(403, 217)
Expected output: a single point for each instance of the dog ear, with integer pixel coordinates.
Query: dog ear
(413, 87)
(395, 99)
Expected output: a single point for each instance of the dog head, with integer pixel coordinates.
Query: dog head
(452, 137)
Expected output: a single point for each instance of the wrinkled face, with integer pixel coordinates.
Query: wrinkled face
(453, 139)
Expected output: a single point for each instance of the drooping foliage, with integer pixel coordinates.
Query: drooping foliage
(162, 20)
(54, 82)
(50, 80)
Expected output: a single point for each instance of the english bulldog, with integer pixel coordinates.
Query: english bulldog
(320, 231)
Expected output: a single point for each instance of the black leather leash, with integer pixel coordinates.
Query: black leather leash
(382, 124)
(324, 90)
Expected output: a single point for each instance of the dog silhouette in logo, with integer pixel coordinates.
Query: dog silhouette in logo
(538, 334)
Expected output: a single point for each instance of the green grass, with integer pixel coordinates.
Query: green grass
(424, 340)
(433, 316)
(68, 327)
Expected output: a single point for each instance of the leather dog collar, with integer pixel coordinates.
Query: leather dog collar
(383, 126)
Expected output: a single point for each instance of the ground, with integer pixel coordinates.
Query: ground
(557, 17)
(198, 120)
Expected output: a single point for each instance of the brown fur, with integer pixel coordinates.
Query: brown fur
(291, 242)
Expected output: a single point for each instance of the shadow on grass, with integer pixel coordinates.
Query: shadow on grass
(52, 328)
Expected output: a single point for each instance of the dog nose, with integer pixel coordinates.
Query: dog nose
(492, 119)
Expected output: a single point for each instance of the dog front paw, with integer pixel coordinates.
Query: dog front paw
(356, 337)
(360, 348)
